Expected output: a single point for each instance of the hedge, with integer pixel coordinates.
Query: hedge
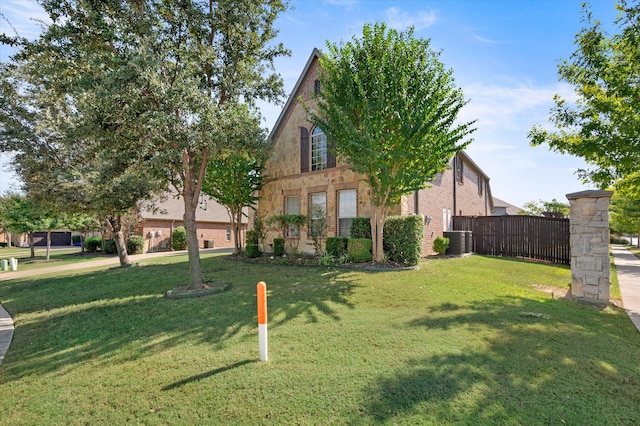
(278, 246)
(402, 239)
(336, 246)
(92, 244)
(179, 238)
(361, 227)
(135, 244)
(359, 250)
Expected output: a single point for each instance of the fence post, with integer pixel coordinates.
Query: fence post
(590, 269)
(262, 321)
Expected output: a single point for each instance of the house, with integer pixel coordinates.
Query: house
(213, 224)
(502, 208)
(305, 178)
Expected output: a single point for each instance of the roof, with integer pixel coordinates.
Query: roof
(511, 208)
(171, 207)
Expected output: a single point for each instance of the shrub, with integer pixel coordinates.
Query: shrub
(617, 240)
(252, 250)
(110, 247)
(336, 246)
(402, 240)
(361, 227)
(135, 244)
(76, 239)
(359, 250)
(253, 236)
(179, 238)
(92, 244)
(440, 245)
(278, 246)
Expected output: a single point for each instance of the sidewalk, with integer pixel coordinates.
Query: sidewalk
(628, 267)
(6, 322)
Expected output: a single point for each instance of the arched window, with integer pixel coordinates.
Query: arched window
(318, 149)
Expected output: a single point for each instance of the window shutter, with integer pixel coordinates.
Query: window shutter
(331, 158)
(304, 150)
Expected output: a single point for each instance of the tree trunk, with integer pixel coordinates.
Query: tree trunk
(115, 225)
(195, 268)
(48, 244)
(237, 221)
(31, 245)
(377, 227)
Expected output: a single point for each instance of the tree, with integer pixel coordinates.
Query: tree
(389, 107)
(20, 215)
(234, 179)
(625, 208)
(603, 126)
(157, 86)
(538, 208)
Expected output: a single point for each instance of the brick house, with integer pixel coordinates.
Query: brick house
(305, 178)
(213, 224)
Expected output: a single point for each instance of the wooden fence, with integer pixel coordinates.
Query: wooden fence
(531, 237)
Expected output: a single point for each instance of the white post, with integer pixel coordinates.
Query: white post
(262, 321)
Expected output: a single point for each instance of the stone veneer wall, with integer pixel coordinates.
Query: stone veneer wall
(589, 229)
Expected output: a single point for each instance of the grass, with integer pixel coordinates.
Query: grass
(459, 341)
(635, 250)
(57, 257)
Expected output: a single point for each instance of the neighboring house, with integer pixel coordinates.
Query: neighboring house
(213, 224)
(502, 208)
(305, 178)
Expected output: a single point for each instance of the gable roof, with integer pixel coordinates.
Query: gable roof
(315, 54)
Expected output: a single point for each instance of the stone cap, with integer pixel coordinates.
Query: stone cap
(591, 193)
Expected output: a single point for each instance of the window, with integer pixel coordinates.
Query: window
(446, 220)
(347, 211)
(480, 184)
(228, 233)
(316, 87)
(459, 169)
(318, 215)
(292, 206)
(318, 150)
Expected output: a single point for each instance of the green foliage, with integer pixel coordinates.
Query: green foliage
(361, 227)
(179, 238)
(109, 247)
(390, 108)
(603, 127)
(252, 250)
(440, 244)
(135, 244)
(253, 236)
(336, 246)
(92, 244)
(75, 239)
(288, 224)
(278, 246)
(617, 240)
(538, 208)
(359, 250)
(403, 238)
(625, 210)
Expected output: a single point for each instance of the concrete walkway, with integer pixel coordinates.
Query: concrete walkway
(6, 322)
(628, 267)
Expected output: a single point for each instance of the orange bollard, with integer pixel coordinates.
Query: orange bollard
(262, 320)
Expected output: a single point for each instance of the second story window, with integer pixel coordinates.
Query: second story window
(318, 150)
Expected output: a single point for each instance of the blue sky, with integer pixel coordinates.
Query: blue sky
(504, 55)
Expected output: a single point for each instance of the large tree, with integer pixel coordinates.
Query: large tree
(233, 179)
(625, 207)
(603, 125)
(389, 107)
(159, 86)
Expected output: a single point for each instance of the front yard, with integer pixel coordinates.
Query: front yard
(467, 341)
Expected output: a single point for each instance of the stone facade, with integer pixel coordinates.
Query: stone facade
(463, 189)
(590, 268)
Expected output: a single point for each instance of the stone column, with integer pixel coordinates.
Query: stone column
(589, 229)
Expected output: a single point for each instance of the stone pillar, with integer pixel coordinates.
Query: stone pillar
(589, 229)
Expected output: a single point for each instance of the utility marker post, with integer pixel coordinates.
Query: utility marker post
(262, 320)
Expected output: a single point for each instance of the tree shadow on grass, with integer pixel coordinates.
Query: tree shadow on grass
(121, 313)
(577, 367)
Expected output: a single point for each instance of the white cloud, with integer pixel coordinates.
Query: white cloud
(400, 20)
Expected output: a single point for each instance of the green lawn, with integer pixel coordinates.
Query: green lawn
(459, 341)
(57, 257)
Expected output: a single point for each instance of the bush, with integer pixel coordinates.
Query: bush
(179, 238)
(92, 244)
(440, 245)
(402, 240)
(336, 246)
(616, 240)
(76, 239)
(361, 227)
(253, 236)
(359, 250)
(135, 244)
(278, 246)
(110, 247)
(252, 250)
